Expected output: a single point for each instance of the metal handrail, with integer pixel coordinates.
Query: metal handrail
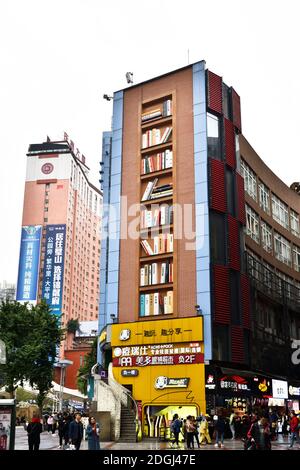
(128, 396)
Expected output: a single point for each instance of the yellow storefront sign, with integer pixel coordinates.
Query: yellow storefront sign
(179, 330)
(162, 361)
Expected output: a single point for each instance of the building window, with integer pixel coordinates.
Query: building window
(295, 226)
(266, 236)
(249, 180)
(280, 211)
(286, 283)
(267, 275)
(264, 197)
(252, 224)
(296, 256)
(237, 153)
(282, 248)
(230, 191)
(218, 243)
(213, 137)
(254, 265)
(221, 343)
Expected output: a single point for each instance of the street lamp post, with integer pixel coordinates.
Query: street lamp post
(63, 364)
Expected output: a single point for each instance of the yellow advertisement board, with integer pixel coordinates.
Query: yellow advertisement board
(179, 330)
(162, 361)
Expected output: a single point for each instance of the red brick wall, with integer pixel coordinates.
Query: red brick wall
(71, 371)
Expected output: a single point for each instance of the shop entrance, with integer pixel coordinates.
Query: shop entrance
(157, 419)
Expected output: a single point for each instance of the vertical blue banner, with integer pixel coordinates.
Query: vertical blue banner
(54, 267)
(29, 263)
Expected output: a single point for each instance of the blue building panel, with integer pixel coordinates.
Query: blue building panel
(112, 158)
(201, 203)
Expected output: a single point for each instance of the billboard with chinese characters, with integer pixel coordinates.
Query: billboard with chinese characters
(168, 357)
(54, 267)
(29, 263)
(158, 354)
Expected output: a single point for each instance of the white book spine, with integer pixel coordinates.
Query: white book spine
(156, 303)
(148, 219)
(169, 159)
(166, 305)
(154, 273)
(157, 136)
(163, 215)
(147, 304)
(169, 110)
(171, 238)
(145, 141)
(163, 273)
(142, 280)
(147, 247)
(147, 191)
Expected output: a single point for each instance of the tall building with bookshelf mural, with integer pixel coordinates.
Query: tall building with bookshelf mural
(200, 263)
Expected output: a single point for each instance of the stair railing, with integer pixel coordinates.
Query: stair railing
(125, 398)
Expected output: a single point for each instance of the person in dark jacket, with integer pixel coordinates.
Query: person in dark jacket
(93, 431)
(220, 430)
(63, 425)
(175, 429)
(34, 430)
(76, 431)
(260, 435)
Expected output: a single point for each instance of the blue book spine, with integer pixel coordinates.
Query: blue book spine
(142, 305)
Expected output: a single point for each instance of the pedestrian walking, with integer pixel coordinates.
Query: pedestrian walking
(190, 432)
(196, 433)
(93, 432)
(294, 428)
(76, 431)
(204, 432)
(34, 430)
(50, 424)
(259, 435)
(175, 429)
(220, 430)
(232, 424)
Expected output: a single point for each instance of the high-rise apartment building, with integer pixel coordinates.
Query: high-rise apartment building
(61, 230)
(200, 262)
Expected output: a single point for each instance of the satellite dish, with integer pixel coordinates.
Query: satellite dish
(129, 77)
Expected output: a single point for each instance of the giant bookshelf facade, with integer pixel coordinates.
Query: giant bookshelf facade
(157, 255)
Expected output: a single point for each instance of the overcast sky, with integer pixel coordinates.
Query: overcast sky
(58, 58)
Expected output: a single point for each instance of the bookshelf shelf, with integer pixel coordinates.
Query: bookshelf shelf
(157, 200)
(146, 259)
(158, 228)
(160, 316)
(167, 171)
(156, 148)
(151, 287)
(157, 122)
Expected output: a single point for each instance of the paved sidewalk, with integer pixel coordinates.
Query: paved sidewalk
(49, 442)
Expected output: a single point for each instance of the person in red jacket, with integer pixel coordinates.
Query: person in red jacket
(294, 427)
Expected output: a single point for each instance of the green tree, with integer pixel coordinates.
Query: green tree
(73, 325)
(84, 371)
(32, 335)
